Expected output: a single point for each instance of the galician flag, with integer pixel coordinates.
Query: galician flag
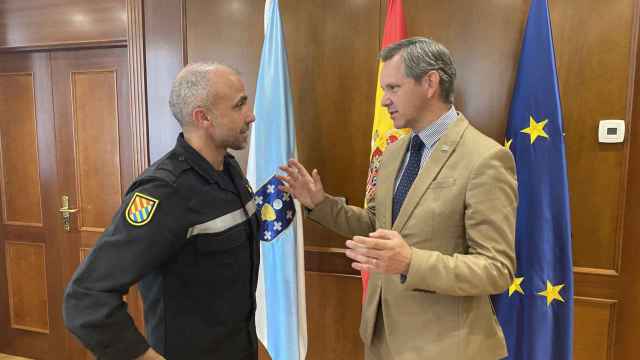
(281, 311)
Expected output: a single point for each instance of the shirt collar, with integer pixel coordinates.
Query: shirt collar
(197, 161)
(432, 133)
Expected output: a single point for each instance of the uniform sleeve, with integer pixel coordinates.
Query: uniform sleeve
(94, 310)
(344, 219)
(490, 213)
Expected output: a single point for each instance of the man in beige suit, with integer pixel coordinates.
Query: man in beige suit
(439, 237)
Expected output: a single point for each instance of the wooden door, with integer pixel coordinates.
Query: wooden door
(94, 151)
(30, 283)
(81, 151)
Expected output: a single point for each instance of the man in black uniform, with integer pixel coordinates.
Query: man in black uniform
(187, 232)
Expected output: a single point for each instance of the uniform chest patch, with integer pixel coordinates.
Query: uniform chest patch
(140, 209)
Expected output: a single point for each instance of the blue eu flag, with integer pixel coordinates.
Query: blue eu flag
(536, 313)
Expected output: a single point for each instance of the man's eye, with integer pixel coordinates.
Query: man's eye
(240, 103)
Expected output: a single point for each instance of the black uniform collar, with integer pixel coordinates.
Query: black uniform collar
(202, 166)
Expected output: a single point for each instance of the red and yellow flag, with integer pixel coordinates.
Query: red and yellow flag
(383, 133)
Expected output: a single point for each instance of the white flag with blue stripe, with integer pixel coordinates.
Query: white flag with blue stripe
(281, 318)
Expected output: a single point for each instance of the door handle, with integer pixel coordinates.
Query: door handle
(66, 213)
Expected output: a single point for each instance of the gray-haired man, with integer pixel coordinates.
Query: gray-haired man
(438, 237)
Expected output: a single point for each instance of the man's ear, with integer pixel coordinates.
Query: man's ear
(431, 83)
(201, 118)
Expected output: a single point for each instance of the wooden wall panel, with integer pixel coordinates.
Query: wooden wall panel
(333, 78)
(484, 38)
(589, 94)
(328, 260)
(333, 312)
(164, 56)
(28, 24)
(629, 312)
(27, 278)
(19, 151)
(594, 328)
(95, 117)
(137, 85)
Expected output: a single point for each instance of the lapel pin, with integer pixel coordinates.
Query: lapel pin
(444, 148)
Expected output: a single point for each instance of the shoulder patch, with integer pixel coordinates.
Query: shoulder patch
(140, 209)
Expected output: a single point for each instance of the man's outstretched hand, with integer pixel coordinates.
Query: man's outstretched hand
(306, 188)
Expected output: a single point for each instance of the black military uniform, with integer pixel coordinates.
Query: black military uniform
(188, 233)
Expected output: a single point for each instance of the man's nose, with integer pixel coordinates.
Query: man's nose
(385, 101)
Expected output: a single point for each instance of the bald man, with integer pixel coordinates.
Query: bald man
(186, 231)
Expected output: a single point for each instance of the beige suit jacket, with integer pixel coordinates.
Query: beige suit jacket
(459, 219)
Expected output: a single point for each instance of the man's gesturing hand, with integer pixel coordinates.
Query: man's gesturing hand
(384, 251)
(304, 187)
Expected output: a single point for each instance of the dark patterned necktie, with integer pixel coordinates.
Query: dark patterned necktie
(408, 176)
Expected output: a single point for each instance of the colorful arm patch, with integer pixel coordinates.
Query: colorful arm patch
(140, 209)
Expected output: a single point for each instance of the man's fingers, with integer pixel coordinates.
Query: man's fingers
(362, 267)
(316, 176)
(290, 171)
(363, 250)
(299, 168)
(353, 255)
(384, 234)
(355, 245)
(365, 256)
(371, 243)
(286, 180)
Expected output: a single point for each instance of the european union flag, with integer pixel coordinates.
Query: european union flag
(276, 209)
(536, 313)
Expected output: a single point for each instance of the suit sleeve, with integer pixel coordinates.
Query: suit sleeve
(344, 219)
(94, 310)
(490, 214)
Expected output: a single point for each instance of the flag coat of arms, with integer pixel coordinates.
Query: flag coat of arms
(275, 208)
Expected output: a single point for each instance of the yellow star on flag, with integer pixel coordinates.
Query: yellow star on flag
(552, 292)
(515, 286)
(535, 129)
(507, 144)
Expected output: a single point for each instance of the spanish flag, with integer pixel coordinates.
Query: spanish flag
(383, 132)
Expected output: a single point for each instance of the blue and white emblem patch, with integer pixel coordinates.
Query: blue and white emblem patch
(275, 208)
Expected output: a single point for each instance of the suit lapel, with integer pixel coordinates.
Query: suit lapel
(441, 152)
(391, 163)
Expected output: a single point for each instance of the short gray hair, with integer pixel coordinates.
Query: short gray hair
(190, 90)
(421, 55)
